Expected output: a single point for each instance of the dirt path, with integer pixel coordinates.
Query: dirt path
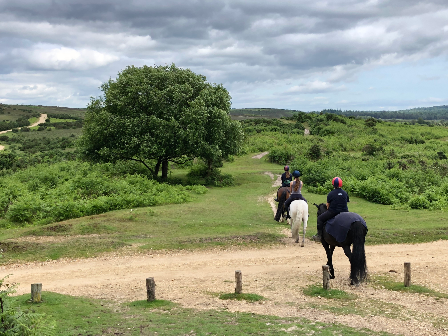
(259, 156)
(41, 120)
(276, 273)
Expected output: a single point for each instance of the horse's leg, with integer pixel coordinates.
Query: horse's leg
(329, 250)
(305, 224)
(295, 222)
(348, 252)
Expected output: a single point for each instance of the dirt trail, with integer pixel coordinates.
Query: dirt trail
(277, 273)
(41, 120)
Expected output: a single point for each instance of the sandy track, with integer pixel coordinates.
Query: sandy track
(41, 120)
(277, 273)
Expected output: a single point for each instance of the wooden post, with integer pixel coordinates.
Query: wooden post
(239, 282)
(36, 292)
(407, 274)
(150, 289)
(326, 276)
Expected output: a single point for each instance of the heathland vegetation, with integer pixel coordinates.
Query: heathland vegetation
(395, 172)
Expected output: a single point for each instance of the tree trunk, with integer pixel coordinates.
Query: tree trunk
(164, 169)
(209, 166)
(156, 168)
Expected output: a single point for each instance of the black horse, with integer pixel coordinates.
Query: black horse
(282, 196)
(357, 231)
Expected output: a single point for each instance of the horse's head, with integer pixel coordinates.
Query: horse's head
(321, 208)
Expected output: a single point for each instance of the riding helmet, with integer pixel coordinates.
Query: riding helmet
(296, 173)
(286, 168)
(337, 182)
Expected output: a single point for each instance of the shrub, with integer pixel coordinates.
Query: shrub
(419, 202)
(25, 209)
(372, 149)
(15, 322)
(72, 189)
(281, 155)
(314, 152)
(315, 174)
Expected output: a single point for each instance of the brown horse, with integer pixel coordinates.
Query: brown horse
(282, 196)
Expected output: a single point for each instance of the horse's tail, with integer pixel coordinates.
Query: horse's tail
(358, 272)
(281, 203)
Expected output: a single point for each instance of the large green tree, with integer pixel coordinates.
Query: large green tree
(158, 114)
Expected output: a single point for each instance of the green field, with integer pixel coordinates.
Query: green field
(199, 223)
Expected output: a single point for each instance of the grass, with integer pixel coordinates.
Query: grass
(223, 217)
(387, 282)
(319, 291)
(58, 120)
(82, 316)
(248, 221)
(242, 297)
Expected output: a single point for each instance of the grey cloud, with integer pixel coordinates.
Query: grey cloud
(229, 41)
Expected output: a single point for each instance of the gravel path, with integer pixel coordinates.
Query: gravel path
(277, 273)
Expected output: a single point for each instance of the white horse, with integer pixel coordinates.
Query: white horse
(298, 210)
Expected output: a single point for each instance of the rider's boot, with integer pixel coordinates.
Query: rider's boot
(318, 236)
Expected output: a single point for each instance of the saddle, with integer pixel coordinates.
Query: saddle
(339, 225)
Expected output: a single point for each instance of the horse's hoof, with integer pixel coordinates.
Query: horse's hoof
(331, 276)
(296, 241)
(302, 245)
(354, 283)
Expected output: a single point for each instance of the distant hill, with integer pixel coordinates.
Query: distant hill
(247, 113)
(14, 110)
(425, 113)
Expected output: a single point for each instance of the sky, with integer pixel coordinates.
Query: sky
(303, 55)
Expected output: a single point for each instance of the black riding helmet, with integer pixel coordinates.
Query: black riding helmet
(296, 173)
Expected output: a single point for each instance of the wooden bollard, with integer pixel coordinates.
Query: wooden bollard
(36, 292)
(407, 274)
(150, 289)
(326, 276)
(239, 282)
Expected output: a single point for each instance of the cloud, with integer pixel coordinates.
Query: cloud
(316, 46)
(315, 87)
(44, 57)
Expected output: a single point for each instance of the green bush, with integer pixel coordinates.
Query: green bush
(15, 322)
(419, 202)
(281, 155)
(25, 209)
(314, 152)
(67, 190)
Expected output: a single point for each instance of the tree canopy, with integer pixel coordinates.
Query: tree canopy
(159, 114)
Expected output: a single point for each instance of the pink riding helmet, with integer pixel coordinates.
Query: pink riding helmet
(337, 182)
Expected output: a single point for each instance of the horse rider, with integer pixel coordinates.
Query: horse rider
(286, 177)
(296, 191)
(337, 200)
